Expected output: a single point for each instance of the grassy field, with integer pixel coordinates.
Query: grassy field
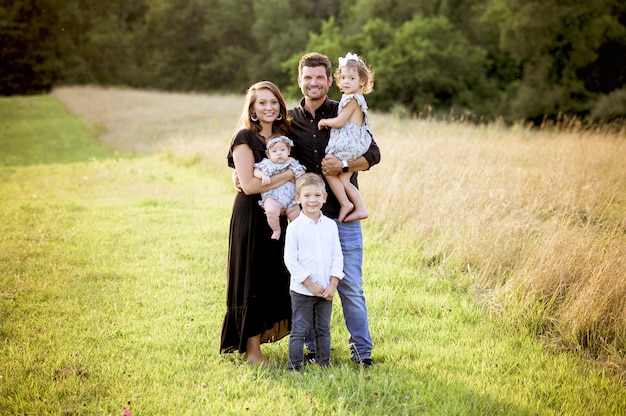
(113, 249)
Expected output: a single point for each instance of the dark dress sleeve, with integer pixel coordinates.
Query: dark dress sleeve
(245, 136)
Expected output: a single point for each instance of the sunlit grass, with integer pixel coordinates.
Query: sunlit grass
(27, 141)
(113, 284)
(536, 219)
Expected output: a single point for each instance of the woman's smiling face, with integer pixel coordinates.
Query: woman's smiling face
(266, 106)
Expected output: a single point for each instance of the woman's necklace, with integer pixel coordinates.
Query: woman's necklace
(263, 137)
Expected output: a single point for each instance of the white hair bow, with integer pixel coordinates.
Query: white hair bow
(349, 56)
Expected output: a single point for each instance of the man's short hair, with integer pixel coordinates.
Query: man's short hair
(314, 59)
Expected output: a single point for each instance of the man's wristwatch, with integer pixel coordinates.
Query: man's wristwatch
(344, 165)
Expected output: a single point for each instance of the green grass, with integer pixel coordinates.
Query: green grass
(112, 292)
(39, 130)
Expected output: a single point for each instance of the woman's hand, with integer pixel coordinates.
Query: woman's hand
(236, 181)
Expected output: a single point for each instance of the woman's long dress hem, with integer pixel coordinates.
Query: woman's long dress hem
(258, 300)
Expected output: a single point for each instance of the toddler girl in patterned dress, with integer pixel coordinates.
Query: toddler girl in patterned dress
(349, 136)
(281, 199)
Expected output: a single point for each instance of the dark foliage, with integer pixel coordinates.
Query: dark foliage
(520, 59)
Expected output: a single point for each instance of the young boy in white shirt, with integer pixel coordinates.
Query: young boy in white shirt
(314, 258)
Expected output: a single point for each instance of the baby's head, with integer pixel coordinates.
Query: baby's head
(279, 148)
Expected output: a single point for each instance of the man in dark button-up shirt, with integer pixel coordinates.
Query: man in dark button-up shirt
(314, 80)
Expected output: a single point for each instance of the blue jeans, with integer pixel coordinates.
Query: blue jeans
(309, 313)
(350, 291)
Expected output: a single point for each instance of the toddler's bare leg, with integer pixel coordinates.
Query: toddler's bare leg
(339, 190)
(359, 212)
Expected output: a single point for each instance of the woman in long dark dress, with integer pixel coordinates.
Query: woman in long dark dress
(258, 301)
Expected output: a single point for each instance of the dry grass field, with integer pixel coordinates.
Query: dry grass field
(535, 218)
(532, 222)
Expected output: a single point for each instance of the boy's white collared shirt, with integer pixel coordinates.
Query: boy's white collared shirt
(312, 250)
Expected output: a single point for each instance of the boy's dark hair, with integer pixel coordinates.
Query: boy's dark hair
(310, 179)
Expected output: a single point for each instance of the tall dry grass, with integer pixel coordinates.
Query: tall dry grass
(534, 220)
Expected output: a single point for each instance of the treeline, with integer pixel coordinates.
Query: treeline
(519, 59)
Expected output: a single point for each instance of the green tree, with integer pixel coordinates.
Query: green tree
(357, 13)
(423, 65)
(525, 59)
(95, 41)
(174, 43)
(556, 42)
(230, 51)
(330, 42)
(73, 39)
(199, 45)
(430, 64)
(28, 48)
(277, 42)
(109, 48)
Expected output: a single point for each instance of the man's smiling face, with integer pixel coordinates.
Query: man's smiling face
(314, 83)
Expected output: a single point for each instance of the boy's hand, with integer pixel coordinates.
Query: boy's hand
(329, 293)
(314, 288)
(318, 290)
(331, 289)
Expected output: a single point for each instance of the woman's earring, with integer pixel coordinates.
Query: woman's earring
(253, 117)
(280, 117)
